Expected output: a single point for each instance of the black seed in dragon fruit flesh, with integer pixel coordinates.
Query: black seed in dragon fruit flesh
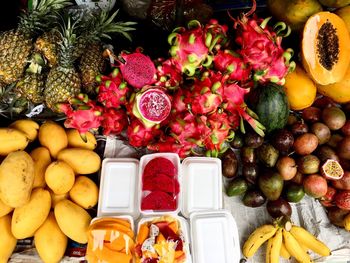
(158, 200)
(159, 165)
(138, 69)
(161, 182)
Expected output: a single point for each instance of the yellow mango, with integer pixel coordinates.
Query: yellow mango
(42, 159)
(28, 218)
(57, 198)
(59, 177)
(53, 137)
(50, 241)
(4, 209)
(16, 178)
(29, 127)
(12, 140)
(7, 240)
(82, 161)
(75, 140)
(300, 89)
(84, 192)
(73, 220)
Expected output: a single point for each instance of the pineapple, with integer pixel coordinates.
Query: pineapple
(47, 44)
(92, 61)
(16, 45)
(63, 81)
(32, 85)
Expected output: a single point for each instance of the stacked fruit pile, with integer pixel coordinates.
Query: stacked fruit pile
(43, 191)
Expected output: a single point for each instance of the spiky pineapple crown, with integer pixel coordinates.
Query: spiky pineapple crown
(102, 25)
(41, 16)
(68, 33)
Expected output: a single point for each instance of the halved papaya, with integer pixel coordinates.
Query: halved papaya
(340, 91)
(325, 48)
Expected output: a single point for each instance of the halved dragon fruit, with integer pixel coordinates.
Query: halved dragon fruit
(159, 201)
(152, 106)
(138, 69)
(161, 182)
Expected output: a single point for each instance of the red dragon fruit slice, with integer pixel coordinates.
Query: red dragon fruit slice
(159, 165)
(169, 234)
(138, 69)
(161, 182)
(158, 201)
(152, 106)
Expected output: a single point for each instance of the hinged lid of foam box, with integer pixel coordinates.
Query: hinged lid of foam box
(214, 237)
(201, 184)
(118, 187)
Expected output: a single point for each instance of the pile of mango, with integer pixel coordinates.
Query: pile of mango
(45, 190)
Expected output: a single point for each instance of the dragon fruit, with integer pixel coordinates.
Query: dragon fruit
(83, 114)
(260, 47)
(114, 121)
(137, 69)
(206, 94)
(168, 75)
(190, 47)
(139, 135)
(220, 132)
(112, 90)
(151, 106)
(232, 65)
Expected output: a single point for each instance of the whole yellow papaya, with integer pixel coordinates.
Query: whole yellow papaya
(16, 178)
(4, 209)
(29, 217)
(50, 241)
(73, 220)
(12, 140)
(59, 177)
(75, 140)
(84, 192)
(42, 159)
(29, 127)
(53, 137)
(82, 161)
(7, 240)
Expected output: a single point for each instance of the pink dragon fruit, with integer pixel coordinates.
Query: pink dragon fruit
(137, 69)
(178, 105)
(83, 114)
(186, 127)
(151, 106)
(232, 65)
(114, 121)
(261, 48)
(139, 135)
(112, 91)
(220, 132)
(169, 144)
(206, 94)
(190, 47)
(168, 75)
(234, 104)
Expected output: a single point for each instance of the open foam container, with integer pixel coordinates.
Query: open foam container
(211, 232)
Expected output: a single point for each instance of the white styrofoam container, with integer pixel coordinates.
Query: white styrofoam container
(214, 237)
(143, 161)
(118, 187)
(184, 229)
(201, 185)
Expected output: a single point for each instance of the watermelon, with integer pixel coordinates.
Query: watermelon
(272, 107)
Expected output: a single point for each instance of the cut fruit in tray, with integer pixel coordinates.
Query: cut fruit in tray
(161, 182)
(159, 165)
(159, 201)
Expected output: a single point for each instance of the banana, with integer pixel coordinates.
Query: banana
(294, 248)
(257, 238)
(309, 241)
(274, 252)
(268, 250)
(284, 252)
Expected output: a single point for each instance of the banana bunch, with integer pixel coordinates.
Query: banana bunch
(288, 241)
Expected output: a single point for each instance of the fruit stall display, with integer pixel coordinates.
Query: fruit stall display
(255, 108)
